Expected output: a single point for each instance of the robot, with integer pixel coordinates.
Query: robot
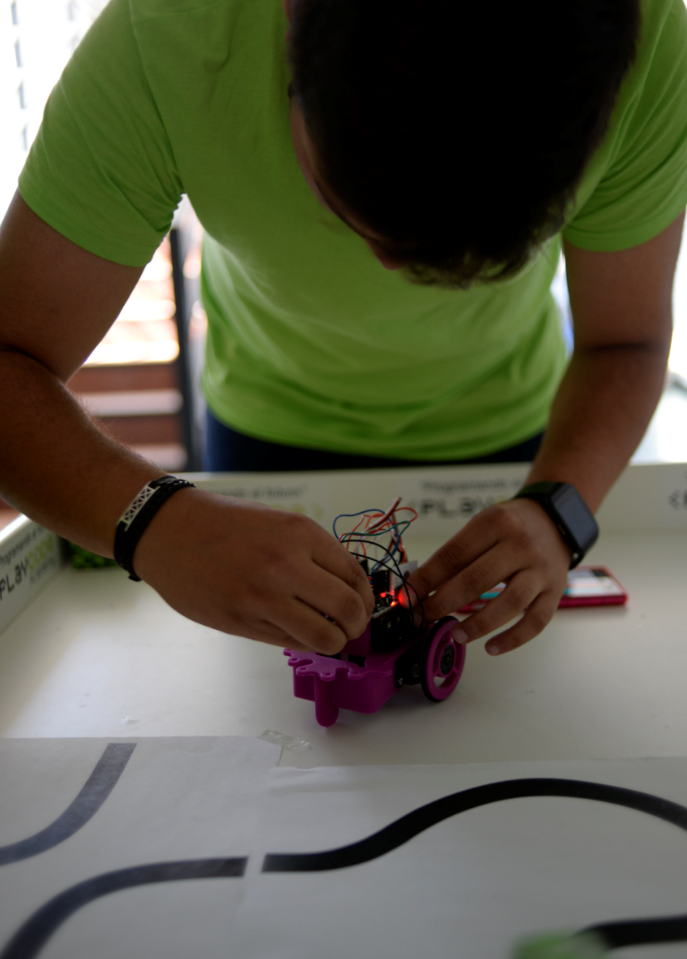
(392, 651)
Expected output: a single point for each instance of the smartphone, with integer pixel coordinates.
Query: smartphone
(593, 586)
(587, 586)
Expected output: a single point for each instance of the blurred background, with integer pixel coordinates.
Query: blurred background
(143, 379)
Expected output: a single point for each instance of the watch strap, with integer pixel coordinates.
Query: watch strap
(138, 514)
(568, 510)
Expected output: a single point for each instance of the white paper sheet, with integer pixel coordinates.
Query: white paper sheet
(176, 799)
(468, 886)
(473, 884)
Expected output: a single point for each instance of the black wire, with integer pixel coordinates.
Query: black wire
(384, 562)
(389, 558)
(393, 530)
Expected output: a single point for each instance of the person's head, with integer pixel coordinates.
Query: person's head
(454, 134)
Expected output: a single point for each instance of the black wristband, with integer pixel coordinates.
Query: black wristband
(573, 518)
(138, 515)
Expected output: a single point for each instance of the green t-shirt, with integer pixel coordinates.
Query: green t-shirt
(310, 341)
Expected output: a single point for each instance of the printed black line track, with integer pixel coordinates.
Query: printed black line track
(32, 936)
(613, 934)
(35, 932)
(415, 822)
(95, 791)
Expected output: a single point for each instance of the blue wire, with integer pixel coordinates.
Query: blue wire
(352, 516)
(399, 536)
(356, 537)
(399, 528)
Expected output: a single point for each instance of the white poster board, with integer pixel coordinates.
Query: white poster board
(477, 881)
(96, 837)
(198, 847)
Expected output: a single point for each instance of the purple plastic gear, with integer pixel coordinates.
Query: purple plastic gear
(363, 681)
(336, 684)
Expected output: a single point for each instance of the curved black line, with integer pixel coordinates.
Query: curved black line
(38, 928)
(30, 938)
(405, 828)
(640, 932)
(95, 791)
(613, 934)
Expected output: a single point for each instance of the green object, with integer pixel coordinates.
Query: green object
(310, 341)
(561, 946)
(84, 559)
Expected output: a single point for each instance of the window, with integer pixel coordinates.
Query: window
(130, 380)
(35, 45)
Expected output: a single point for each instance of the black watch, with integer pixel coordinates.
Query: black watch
(570, 513)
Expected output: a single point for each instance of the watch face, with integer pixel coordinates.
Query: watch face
(576, 515)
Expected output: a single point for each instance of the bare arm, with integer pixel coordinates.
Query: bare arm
(238, 567)
(57, 303)
(621, 304)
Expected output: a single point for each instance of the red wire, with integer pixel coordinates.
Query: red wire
(376, 522)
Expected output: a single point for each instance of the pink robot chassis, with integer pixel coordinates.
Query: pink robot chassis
(392, 651)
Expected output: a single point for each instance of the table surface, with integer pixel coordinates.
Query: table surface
(97, 655)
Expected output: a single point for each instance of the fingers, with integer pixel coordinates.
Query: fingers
(455, 555)
(260, 630)
(536, 617)
(293, 624)
(280, 639)
(324, 580)
(317, 633)
(314, 632)
(335, 559)
(469, 584)
(511, 543)
(521, 597)
(331, 597)
(252, 571)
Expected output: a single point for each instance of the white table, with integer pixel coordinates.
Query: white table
(96, 655)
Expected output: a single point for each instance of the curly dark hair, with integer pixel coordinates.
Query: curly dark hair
(459, 131)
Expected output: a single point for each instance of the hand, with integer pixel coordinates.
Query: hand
(254, 571)
(514, 542)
